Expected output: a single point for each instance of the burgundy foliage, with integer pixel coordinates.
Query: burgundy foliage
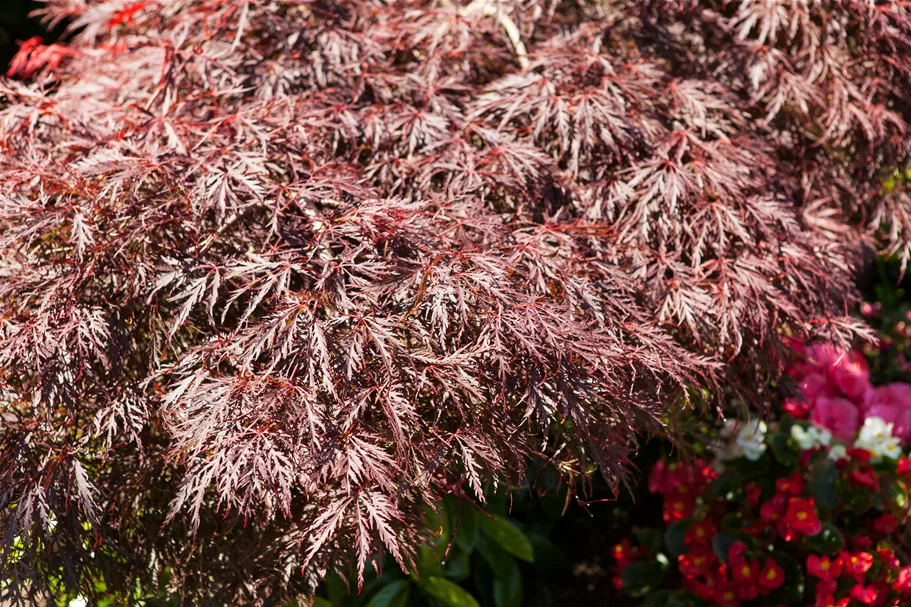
(275, 273)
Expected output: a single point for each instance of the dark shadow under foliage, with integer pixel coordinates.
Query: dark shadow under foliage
(274, 274)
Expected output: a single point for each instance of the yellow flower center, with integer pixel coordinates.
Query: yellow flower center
(801, 516)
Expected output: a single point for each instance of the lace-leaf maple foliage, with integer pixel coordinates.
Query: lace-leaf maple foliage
(276, 273)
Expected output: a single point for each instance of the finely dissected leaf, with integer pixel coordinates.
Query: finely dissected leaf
(275, 274)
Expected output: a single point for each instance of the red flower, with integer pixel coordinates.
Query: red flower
(677, 508)
(863, 477)
(747, 591)
(903, 581)
(736, 551)
(868, 595)
(771, 576)
(903, 466)
(705, 591)
(885, 525)
(773, 509)
(861, 455)
(697, 561)
(726, 595)
(823, 567)
(787, 533)
(792, 485)
(829, 601)
(743, 570)
(806, 456)
(622, 551)
(708, 474)
(858, 563)
(801, 516)
(657, 477)
(826, 587)
(888, 557)
(700, 533)
(797, 408)
(861, 542)
(753, 494)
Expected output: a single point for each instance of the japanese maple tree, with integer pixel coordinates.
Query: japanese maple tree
(275, 274)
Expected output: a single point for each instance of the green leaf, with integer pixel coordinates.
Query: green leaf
(554, 504)
(674, 537)
(321, 602)
(427, 562)
(749, 470)
(549, 559)
(498, 503)
(650, 538)
(784, 450)
(336, 589)
(447, 593)
(458, 565)
(509, 536)
(438, 522)
(680, 599)
(732, 521)
(828, 541)
(860, 500)
(656, 598)
(728, 485)
(500, 561)
(469, 528)
(507, 589)
(895, 490)
(792, 591)
(390, 595)
(640, 577)
(823, 485)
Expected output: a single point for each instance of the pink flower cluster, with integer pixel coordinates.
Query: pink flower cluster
(835, 392)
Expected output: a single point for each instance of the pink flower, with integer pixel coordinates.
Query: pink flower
(851, 375)
(838, 415)
(816, 385)
(829, 371)
(892, 403)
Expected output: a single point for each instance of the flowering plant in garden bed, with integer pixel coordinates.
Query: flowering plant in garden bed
(835, 392)
(785, 515)
(276, 274)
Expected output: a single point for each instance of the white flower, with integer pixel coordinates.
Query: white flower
(810, 437)
(748, 441)
(876, 437)
(838, 451)
(751, 439)
(723, 448)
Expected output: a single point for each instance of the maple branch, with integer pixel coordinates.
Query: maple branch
(488, 8)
